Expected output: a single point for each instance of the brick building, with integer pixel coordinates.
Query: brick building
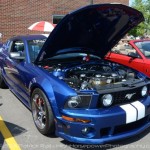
(17, 15)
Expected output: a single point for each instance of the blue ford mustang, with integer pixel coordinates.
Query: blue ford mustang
(68, 86)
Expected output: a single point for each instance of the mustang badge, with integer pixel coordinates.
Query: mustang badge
(128, 96)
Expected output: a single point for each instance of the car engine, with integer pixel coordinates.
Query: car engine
(95, 76)
(90, 77)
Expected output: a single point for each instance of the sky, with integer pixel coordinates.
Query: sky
(130, 2)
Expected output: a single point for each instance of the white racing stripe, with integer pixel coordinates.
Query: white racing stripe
(131, 113)
(141, 109)
(134, 111)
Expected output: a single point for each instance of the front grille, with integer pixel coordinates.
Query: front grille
(127, 96)
(124, 97)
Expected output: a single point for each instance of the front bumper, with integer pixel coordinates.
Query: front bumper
(107, 124)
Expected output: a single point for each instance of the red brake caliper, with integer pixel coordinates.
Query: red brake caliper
(39, 102)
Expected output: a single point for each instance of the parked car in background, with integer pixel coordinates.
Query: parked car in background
(68, 86)
(132, 53)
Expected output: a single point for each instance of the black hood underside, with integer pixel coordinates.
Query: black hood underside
(96, 27)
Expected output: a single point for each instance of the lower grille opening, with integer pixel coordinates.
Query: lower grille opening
(130, 126)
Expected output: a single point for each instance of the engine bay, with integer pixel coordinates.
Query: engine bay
(94, 76)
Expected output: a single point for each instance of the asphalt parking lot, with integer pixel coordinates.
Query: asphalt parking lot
(19, 131)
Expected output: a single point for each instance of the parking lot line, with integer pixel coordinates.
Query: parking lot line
(10, 140)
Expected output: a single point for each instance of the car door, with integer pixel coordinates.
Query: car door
(143, 47)
(127, 56)
(7, 63)
(15, 70)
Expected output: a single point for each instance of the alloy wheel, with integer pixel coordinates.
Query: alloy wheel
(39, 111)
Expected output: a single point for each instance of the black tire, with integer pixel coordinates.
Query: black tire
(44, 117)
(2, 83)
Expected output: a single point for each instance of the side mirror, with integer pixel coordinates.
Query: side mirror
(16, 55)
(133, 55)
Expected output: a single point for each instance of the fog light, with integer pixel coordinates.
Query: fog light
(144, 91)
(85, 131)
(88, 132)
(107, 100)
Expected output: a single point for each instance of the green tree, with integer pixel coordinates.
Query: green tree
(147, 16)
(144, 27)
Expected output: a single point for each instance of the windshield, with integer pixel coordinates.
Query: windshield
(34, 47)
(144, 47)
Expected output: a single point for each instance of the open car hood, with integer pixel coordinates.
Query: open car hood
(95, 27)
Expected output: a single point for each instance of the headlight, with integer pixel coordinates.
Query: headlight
(74, 102)
(107, 100)
(144, 91)
(81, 101)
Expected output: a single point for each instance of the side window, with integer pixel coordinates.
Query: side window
(144, 48)
(17, 48)
(57, 18)
(125, 49)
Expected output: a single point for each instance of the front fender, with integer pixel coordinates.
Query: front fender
(56, 91)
